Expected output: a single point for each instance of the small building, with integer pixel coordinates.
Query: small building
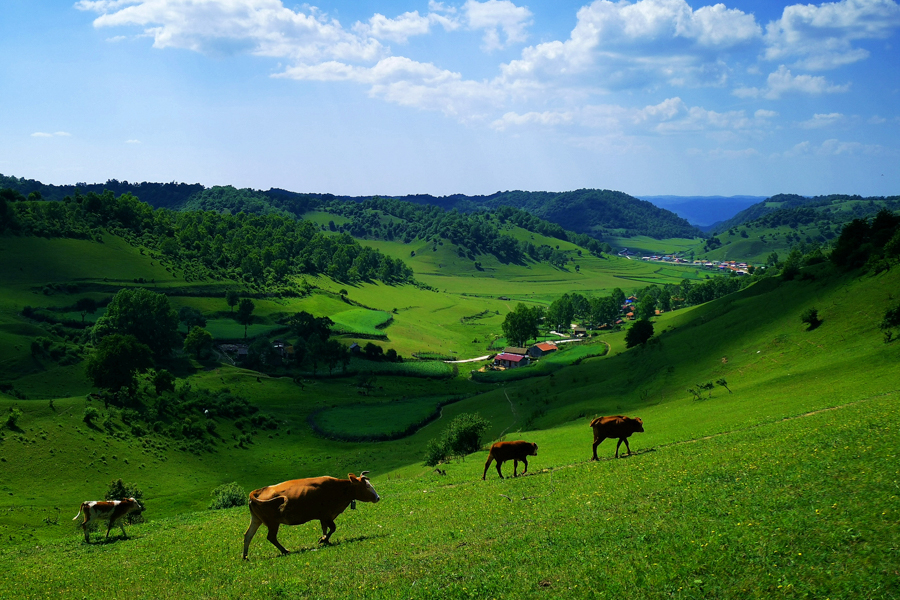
(515, 350)
(511, 361)
(242, 353)
(355, 349)
(539, 350)
(579, 331)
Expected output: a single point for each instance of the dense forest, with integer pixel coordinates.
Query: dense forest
(261, 250)
(827, 212)
(588, 211)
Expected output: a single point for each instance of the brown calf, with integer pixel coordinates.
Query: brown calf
(111, 510)
(514, 451)
(616, 426)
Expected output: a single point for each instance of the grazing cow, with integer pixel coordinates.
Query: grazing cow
(110, 510)
(616, 426)
(301, 500)
(514, 451)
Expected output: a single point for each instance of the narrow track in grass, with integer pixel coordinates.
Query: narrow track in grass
(551, 470)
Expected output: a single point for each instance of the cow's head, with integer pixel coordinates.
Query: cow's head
(637, 424)
(362, 488)
(533, 450)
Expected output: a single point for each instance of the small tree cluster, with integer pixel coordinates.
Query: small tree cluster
(228, 495)
(461, 437)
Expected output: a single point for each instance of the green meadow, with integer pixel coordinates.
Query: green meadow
(781, 482)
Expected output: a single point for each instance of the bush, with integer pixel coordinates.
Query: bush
(119, 490)
(90, 413)
(811, 317)
(461, 437)
(12, 419)
(228, 495)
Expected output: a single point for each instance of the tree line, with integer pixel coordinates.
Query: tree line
(259, 249)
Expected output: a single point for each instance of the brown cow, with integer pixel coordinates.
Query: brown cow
(302, 500)
(616, 426)
(514, 451)
(111, 510)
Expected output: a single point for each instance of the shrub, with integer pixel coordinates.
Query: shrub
(227, 495)
(119, 490)
(461, 437)
(13, 417)
(90, 413)
(811, 317)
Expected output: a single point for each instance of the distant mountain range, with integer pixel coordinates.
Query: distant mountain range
(705, 212)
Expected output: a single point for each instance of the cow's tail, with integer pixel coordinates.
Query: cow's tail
(80, 510)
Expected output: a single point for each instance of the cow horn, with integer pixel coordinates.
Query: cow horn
(364, 473)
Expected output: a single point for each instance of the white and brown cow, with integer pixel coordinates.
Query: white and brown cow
(109, 510)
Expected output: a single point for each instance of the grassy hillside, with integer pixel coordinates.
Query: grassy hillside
(782, 483)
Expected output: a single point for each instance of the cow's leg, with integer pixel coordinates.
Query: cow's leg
(525, 461)
(273, 537)
(328, 527)
(596, 443)
(87, 535)
(486, 465)
(255, 522)
(515, 467)
(499, 472)
(626, 445)
(122, 527)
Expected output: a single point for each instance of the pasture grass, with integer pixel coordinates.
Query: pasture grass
(368, 419)
(361, 321)
(804, 507)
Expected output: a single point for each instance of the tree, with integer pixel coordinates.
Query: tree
(244, 314)
(119, 490)
(117, 360)
(146, 315)
(304, 325)
(162, 381)
(232, 298)
(638, 333)
(521, 324)
(646, 308)
(191, 317)
(86, 306)
(198, 342)
(561, 312)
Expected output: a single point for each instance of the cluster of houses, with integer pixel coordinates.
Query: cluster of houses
(513, 356)
(723, 266)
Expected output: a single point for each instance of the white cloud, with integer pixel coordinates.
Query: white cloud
(132, 141)
(822, 120)
(835, 147)
(783, 82)
(642, 43)
(765, 114)
(821, 36)
(398, 30)
(263, 27)
(496, 16)
(42, 134)
(876, 120)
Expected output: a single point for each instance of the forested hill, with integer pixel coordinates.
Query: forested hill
(588, 211)
(791, 210)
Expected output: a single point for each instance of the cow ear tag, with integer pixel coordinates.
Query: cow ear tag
(353, 505)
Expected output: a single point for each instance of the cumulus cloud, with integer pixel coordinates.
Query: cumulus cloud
(496, 17)
(632, 44)
(821, 36)
(398, 30)
(783, 82)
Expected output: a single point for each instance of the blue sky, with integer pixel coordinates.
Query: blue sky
(648, 97)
